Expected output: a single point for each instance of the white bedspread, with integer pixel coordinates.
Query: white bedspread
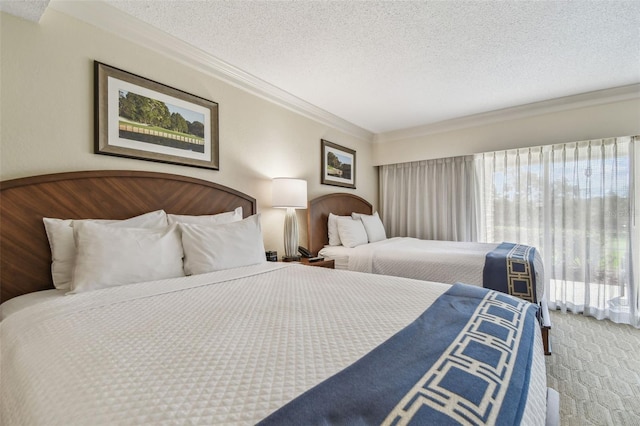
(430, 260)
(222, 348)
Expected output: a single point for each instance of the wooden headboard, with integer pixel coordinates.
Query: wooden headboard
(340, 204)
(25, 256)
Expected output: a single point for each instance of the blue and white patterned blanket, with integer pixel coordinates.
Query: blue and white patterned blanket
(465, 360)
(510, 269)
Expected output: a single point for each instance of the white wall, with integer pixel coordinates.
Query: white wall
(620, 118)
(47, 117)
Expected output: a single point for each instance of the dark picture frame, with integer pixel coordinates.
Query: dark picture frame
(338, 165)
(140, 118)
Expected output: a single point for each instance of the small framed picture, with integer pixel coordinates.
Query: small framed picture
(338, 165)
(140, 118)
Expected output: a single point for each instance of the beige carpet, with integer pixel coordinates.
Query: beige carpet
(595, 366)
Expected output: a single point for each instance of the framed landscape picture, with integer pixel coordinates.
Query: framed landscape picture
(140, 118)
(338, 165)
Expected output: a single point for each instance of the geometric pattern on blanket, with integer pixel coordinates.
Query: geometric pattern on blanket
(441, 387)
(509, 268)
(519, 273)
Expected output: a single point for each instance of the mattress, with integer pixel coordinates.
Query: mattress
(228, 347)
(430, 260)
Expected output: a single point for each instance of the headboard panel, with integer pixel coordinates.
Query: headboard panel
(25, 256)
(340, 204)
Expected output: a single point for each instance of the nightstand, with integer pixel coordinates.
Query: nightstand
(327, 263)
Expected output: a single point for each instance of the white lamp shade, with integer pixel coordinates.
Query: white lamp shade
(288, 192)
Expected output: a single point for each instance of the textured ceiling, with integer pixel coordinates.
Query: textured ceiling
(27, 9)
(389, 65)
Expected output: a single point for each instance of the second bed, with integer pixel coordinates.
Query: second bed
(429, 260)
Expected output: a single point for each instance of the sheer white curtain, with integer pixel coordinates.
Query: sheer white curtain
(575, 202)
(431, 199)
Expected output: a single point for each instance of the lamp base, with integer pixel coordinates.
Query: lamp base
(290, 258)
(291, 235)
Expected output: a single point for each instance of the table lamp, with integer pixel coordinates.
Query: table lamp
(291, 194)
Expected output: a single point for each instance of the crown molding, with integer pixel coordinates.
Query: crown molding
(598, 97)
(110, 19)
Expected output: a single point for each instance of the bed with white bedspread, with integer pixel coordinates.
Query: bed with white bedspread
(228, 347)
(440, 261)
(343, 227)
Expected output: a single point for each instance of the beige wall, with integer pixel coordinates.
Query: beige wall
(620, 118)
(47, 117)
(46, 120)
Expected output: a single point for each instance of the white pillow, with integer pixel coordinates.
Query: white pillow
(352, 232)
(109, 256)
(63, 247)
(373, 225)
(332, 227)
(213, 248)
(212, 219)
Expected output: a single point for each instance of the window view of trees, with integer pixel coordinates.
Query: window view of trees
(571, 201)
(574, 206)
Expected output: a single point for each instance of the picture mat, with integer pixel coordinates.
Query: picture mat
(344, 158)
(115, 85)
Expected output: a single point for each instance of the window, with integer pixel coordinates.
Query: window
(575, 203)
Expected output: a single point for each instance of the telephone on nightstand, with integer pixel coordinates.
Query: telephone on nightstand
(304, 252)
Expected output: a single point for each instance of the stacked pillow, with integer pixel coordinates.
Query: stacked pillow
(352, 232)
(90, 254)
(211, 219)
(332, 226)
(355, 230)
(110, 256)
(213, 248)
(63, 245)
(373, 225)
